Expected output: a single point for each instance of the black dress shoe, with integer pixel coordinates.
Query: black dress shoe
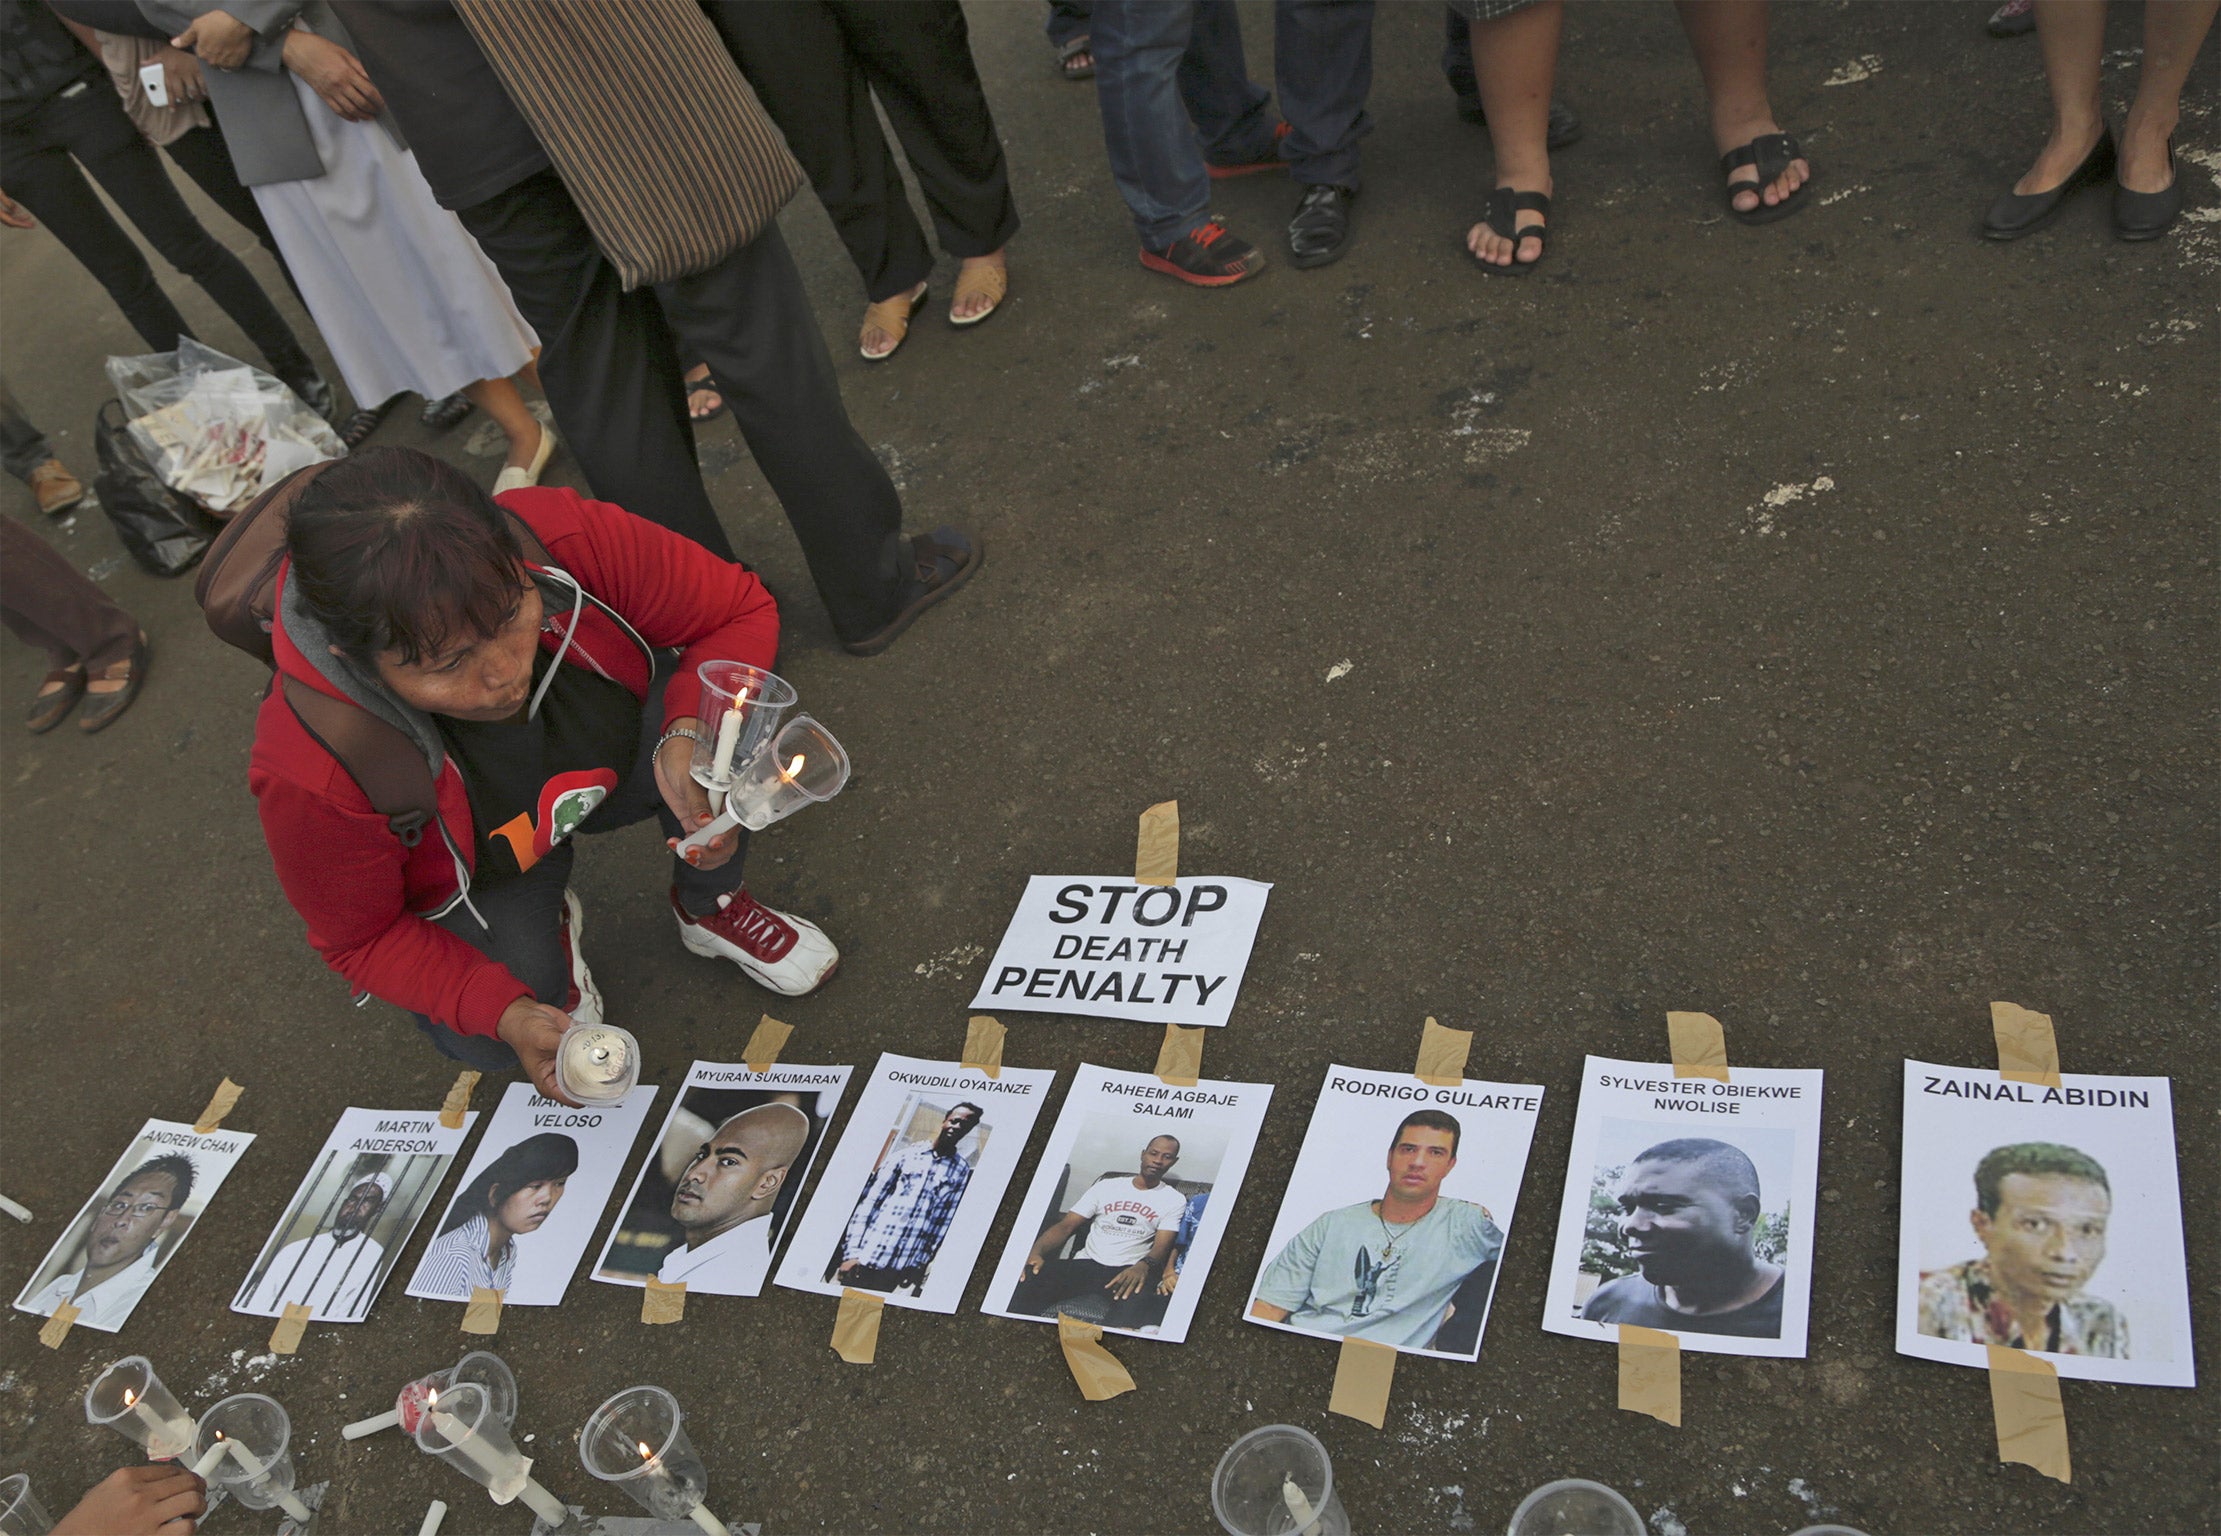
(1320, 231)
(2148, 215)
(2014, 215)
(1565, 123)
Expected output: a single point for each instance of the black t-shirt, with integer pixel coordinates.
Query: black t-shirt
(471, 142)
(1632, 1299)
(533, 782)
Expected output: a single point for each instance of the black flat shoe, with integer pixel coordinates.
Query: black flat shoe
(2014, 215)
(1770, 154)
(2148, 215)
(1505, 205)
(1320, 231)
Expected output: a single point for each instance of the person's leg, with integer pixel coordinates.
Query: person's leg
(47, 602)
(523, 930)
(94, 129)
(23, 447)
(1059, 1281)
(1323, 68)
(499, 398)
(1231, 112)
(607, 359)
(1728, 38)
(1155, 159)
(1515, 59)
(1067, 19)
(748, 318)
(47, 182)
(202, 154)
(1457, 57)
(2173, 32)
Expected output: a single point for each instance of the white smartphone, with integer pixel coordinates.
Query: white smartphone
(156, 80)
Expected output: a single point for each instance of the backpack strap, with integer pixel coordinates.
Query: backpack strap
(384, 763)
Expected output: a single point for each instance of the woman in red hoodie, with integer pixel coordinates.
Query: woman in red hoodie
(543, 695)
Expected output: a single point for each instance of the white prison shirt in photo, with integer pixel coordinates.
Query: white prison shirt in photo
(729, 1264)
(107, 1304)
(1127, 1219)
(331, 1277)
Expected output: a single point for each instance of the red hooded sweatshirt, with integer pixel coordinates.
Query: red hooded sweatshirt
(362, 891)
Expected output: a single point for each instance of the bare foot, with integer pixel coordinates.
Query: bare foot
(1734, 136)
(1494, 249)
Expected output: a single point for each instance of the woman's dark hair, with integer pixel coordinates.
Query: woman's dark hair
(549, 1155)
(394, 550)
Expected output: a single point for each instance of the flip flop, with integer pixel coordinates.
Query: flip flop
(706, 385)
(1772, 153)
(1068, 57)
(994, 282)
(893, 317)
(1505, 204)
(356, 430)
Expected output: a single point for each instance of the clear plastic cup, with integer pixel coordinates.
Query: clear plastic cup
(21, 1514)
(131, 1400)
(1829, 1530)
(1574, 1506)
(637, 1440)
(483, 1368)
(259, 1471)
(762, 697)
(1277, 1481)
(596, 1064)
(803, 765)
(462, 1430)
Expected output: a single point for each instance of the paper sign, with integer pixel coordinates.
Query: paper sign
(1646, 1142)
(362, 1197)
(285, 1339)
(1089, 1214)
(856, 1326)
(1096, 1369)
(1362, 1376)
(710, 1204)
(2044, 1218)
(134, 1223)
(1650, 1373)
(483, 1314)
(2031, 1418)
(530, 1199)
(660, 1303)
(909, 1193)
(1111, 948)
(1397, 1211)
(2027, 1050)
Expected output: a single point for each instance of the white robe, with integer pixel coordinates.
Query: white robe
(107, 1304)
(731, 1264)
(335, 1279)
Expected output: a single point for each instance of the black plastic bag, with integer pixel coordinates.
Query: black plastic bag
(165, 532)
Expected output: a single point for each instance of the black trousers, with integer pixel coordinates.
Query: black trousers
(202, 154)
(1062, 1279)
(610, 366)
(85, 126)
(817, 64)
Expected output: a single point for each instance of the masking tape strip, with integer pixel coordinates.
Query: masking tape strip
(661, 1303)
(2031, 1418)
(1096, 1369)
(1442, 1054)
(763, 1047)
(457, 1101)
(856, 1326)
(1699, 1047)
(1157, 845)
(1650, 1373)
(483, 1315)
(2027, 1050)
(58, 1325)
(1362, 1377)
(1180, 1058)
(983, 1044)
(286, 1337)
(227, 1094)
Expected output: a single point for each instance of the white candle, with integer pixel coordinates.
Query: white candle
(371, 1425)
(701, 1516)
(477, 1452)
(210, 1457)
(595, 1062)
(165, 1437)
(251, 1464)
(543, 1503)
(1299, 1507)
(728, 737)
(432, 1518)
(17, 1211)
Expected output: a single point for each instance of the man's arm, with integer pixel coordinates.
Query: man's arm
(1136, 1275)
(1059, 1233)
(1287, 1279)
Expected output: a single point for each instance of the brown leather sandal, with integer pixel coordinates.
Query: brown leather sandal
(102, 708)
(51, 709)
(971, 281)
(893, 317)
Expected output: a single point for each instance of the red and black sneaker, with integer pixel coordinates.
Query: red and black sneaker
(1206, 256)
(1268, 161)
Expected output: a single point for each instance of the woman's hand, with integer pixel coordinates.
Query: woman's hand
(159, 1499)
(333, 74)
(689, 801)
(219, 37)
(182, 73)
(531, 1029)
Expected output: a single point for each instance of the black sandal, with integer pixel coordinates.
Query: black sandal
(446, 412)
(356, 430)
(1772, 153)
(1068, 64)
(706, 385)
(1502, 218)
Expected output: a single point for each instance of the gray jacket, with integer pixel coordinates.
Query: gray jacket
(256, 108)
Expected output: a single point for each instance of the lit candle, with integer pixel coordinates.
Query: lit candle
(251, 1464)
(165, 1437)
(596, 1065)
(699, 1514)
(210, 1457)
(728, 738)
(1299, 1507)
(478, 1453)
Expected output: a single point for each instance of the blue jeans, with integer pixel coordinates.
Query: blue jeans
(1323, 65)
(1174, 90)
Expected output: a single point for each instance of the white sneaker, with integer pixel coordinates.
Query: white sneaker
(790, 955)
(513, 478)
(588, 1009)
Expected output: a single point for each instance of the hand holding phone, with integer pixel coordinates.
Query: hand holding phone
(156, 82)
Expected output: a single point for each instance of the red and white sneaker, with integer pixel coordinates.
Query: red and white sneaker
(790, 955)
(585, 1002)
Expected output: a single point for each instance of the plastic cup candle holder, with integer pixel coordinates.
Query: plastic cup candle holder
(597, 1063)
(1277, 1481)
(740, 708)
(21, 1513)
(637, 1440)
(259, 1469)
(461, 1428)
(131, 1400)
(803, 765)
(481, 1367)
(1574, 1506)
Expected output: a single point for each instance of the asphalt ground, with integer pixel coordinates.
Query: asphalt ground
(1628, 724)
